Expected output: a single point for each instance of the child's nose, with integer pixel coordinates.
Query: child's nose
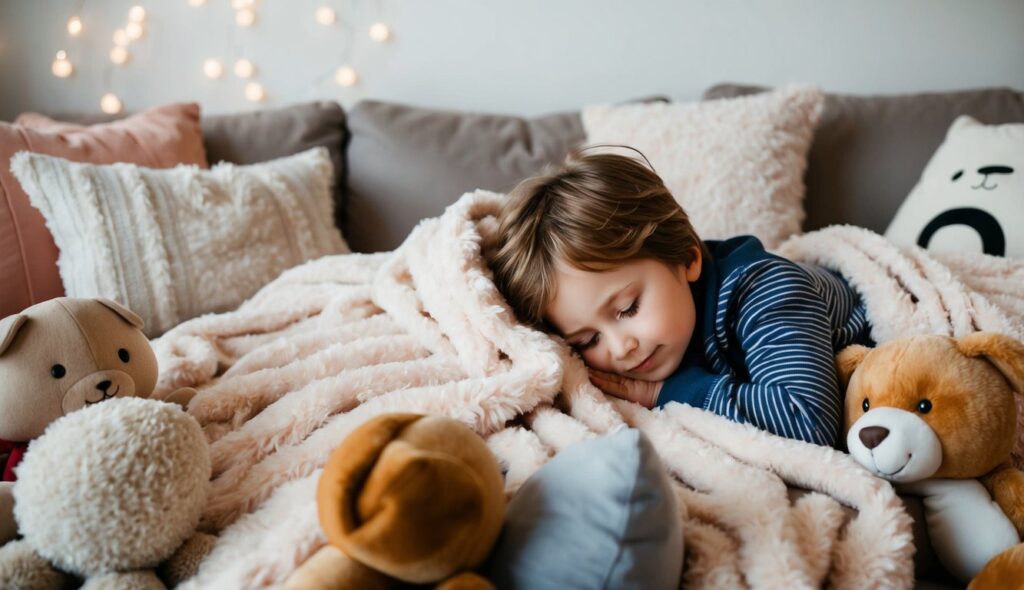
(623, 346)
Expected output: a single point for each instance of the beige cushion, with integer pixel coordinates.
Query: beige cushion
(175, 244)
(735, 165)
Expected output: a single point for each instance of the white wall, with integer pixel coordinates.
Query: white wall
(522, 56)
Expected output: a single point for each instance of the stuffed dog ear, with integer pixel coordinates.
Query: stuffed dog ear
(1006, 353)
(126, 314)
(9, 327)
(847, 362)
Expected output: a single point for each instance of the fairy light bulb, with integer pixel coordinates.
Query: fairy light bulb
(213, 68)
(62, 67)
(119, 55)
(242, 4)
(254, 92)
(196, 2)
(346, 76)
(380, 32)
(137, 14)
(245, 17)
(121, 38)
(244, 68)
(325, 15)
(134, 30)
(74, 26)
(110, 104)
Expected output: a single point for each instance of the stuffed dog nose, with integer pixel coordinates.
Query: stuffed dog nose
(872, 436)
(103, 386)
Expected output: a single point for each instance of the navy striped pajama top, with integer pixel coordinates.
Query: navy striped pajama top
(764, 344)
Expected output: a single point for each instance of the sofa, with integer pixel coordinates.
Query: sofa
(395, 165)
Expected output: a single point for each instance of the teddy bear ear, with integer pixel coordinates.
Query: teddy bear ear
(9, 327)
(1005, 352)
(847, 362)
(126, 314)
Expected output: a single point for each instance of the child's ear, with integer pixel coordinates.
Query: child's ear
(693, 269)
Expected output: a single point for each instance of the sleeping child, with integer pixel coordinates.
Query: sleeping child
(600, 253)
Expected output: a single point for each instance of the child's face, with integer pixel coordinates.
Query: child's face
(635, 319)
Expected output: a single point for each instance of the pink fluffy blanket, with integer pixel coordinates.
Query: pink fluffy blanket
(283, 379)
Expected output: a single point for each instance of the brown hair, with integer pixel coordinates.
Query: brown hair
(596, 212)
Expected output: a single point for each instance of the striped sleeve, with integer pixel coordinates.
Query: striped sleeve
(782, 326)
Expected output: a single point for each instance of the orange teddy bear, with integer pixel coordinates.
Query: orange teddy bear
(937, 416)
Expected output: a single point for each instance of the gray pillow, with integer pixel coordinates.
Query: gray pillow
(406, 163)
(601, 514)
(869, 151)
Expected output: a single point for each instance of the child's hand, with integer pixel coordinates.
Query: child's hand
(644, 393)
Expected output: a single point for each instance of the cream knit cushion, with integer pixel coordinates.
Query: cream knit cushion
(175, 244)
(736, 165)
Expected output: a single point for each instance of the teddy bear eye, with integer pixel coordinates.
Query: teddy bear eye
(122, 353)
(957, 176)
(866, 405)
(58, 371)
(924, 406)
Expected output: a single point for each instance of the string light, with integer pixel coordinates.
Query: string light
(134, 30)
(74, 26)
(254, 92)
(62, 67)
(325, 16)
(110, 104)
(346, 76)
(213, 68)
(380, 32)
(119, 55)
(244, 68)
(245, 17)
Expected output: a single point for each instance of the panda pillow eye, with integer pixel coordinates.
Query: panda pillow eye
(957, 176)
(122, 353)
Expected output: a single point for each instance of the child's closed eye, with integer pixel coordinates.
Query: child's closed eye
(590, 343)
(629, 311)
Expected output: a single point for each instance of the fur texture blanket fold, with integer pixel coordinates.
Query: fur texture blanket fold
(283, 379)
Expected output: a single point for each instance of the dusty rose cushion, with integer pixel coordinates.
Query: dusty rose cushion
(735, 165)
(161, 137)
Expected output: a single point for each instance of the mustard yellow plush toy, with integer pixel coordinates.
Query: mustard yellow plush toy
(57, 357)
(937, 416)
(406, 499)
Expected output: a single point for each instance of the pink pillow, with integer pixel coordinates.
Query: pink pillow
(161, 137)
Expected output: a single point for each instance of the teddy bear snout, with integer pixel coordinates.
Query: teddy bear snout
(872, 436)
(97, 387)
(895, 444)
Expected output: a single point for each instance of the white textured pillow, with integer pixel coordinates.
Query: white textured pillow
(175, 244)
(971, 194)
(736, 165)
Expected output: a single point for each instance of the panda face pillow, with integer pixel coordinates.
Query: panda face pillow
(971, 195)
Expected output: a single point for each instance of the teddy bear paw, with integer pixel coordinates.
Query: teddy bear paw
(21, 568)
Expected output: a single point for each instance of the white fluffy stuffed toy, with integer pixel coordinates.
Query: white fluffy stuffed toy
(108, 493)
